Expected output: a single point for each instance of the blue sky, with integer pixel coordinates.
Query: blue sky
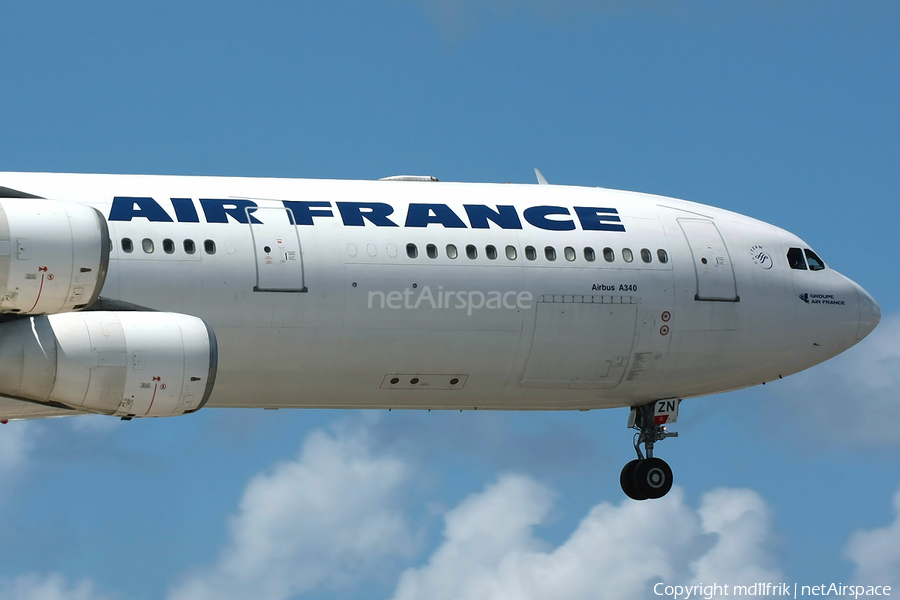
(786, 111)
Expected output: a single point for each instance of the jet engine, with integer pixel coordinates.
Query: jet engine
(128, 364)
(53, 255)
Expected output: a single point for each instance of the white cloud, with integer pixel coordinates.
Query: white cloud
(324, 520)
(854, 395)
(877, 552)
(742, 555)
(20, 439)
(50, 587)
(617, 551)
(16, 443)
(93, 424)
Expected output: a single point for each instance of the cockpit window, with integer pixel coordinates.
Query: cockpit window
(815, 263)
(795, 259)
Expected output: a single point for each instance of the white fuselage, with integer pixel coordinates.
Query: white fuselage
(360, 303)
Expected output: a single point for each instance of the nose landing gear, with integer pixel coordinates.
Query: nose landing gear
(650, 477)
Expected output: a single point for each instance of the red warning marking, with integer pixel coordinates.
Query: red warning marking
(42, 269)
(664, 330)
(666, 316)
(151, 401)
(157, 379)
(660, 419)
(41, 289)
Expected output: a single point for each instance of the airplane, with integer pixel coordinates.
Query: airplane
(140, 296)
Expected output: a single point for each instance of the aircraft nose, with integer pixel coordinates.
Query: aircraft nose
(869, 313)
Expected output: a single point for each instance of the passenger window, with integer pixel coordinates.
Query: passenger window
(412, 251)
(431, 251)
(147, 245)
(451, 251)
(609, 255)
(530, 253)
(511, 253)
(795, 259)
(490, 252)
(569, 253)
(471, 251)
(168, 246)
(662, 255)
(627, 256)
(815, 263)
(209, 247)
(127, 245)
(189, 247)
(589, 255)
(550, 253)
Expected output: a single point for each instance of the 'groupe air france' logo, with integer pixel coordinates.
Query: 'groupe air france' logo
(761, 257)
(822, 299)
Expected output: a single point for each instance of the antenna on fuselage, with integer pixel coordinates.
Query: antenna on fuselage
(409, 178)
(540, 177)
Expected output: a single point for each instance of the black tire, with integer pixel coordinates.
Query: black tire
(627, 481)
(653, 478)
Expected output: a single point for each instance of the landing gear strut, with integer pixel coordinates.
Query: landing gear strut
(649, 477)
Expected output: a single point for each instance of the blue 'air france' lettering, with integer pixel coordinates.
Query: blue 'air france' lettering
(423, 215)
(126, 209)
(505, 216)
(355, 214)
(218, 211)
(302, 213)
(377, 214)
(185, 211)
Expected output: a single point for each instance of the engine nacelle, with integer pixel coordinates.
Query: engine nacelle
(53, 255)
(129, 364)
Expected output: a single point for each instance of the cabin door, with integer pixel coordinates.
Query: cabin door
(712, 264)
(276, 244)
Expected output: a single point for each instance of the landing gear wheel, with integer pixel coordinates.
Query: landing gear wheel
(652, 478)
(649, 477)
(627, 481)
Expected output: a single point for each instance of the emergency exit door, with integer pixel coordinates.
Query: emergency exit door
(276, 244)
(712, 263)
